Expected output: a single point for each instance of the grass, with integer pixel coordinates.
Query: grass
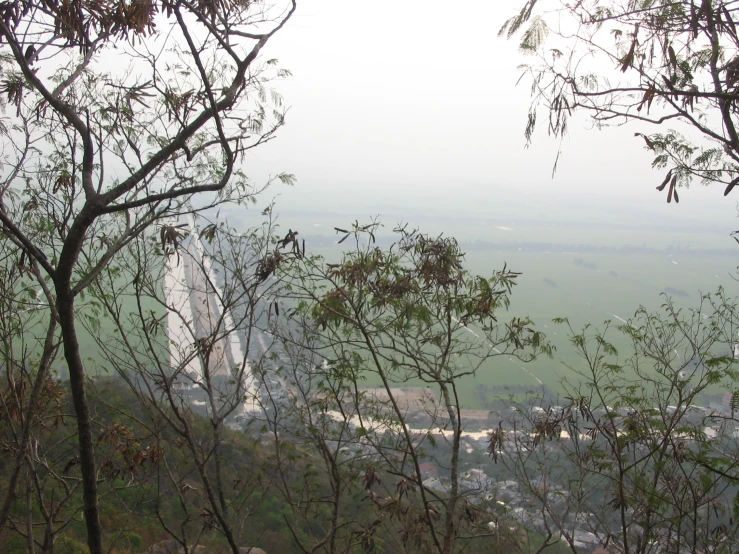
(553, 285)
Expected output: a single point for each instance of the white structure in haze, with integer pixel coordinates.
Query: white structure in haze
(196, 312)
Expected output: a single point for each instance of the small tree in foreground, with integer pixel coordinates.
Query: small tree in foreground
(656, 63)
(117, 118)
(401, 316)
(182, 353)
(632, 458)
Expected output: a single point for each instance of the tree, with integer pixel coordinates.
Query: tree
(407, 315)
(656, 63)
(186, 353)
(631, 458)
(118, 118)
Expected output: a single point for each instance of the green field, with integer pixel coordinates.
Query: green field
(552, 285)
(587, 259)
(619, 285)
(584, 262)
(94, 324)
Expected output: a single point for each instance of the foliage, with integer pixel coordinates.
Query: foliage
(98, 154)
(176, 340)
(657, 63)
(646, 466)
(139, 507)
(398, 315)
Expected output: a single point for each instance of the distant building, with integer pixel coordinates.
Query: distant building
(473, 479)
(409, 399)
(436, 484)
(428, 471)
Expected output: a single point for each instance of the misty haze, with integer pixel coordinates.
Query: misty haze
(338, 277)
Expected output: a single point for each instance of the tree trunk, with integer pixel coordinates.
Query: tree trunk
(29, 516)
(65, 308)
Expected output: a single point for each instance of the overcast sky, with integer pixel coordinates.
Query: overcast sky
(413, 95)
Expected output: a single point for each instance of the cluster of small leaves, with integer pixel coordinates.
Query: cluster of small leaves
(679, 63)
(49, 412)
(170, 237)
(496, 438)
(417, 266)
(547, 425)
(269, 264)
(82, 22)
(398, 506)
(129, 457)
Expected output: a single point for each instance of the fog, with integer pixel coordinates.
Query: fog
(397, 100)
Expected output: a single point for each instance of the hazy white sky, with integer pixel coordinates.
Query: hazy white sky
(417, 95)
